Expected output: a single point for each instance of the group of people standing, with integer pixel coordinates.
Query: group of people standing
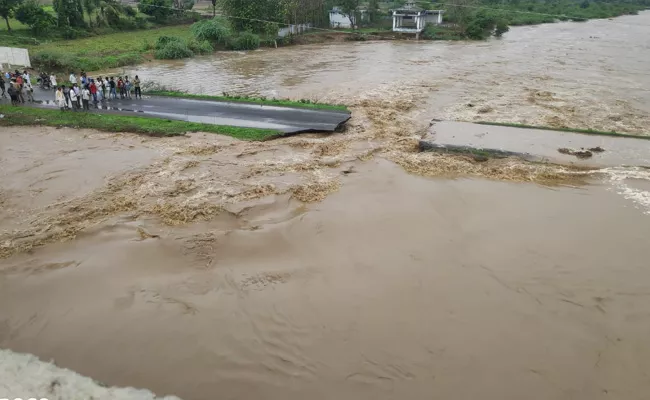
(84, 90)
(17, 85)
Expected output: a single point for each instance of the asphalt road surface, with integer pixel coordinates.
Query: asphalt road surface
(283, 119)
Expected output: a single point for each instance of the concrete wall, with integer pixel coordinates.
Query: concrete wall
(433, 18)
(14, 56)
(293, 30)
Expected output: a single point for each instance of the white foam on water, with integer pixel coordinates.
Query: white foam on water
(25, 376)
(619, 176)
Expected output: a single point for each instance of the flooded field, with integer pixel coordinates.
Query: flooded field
(349, 266)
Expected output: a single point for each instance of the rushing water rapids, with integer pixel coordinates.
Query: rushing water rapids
(348, 266)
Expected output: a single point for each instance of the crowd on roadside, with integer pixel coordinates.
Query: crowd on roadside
(85, 90)
(17, 85)
(79, 93)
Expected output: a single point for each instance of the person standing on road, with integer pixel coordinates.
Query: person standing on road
(77, 91)
(19, 87)
(29, 90)
(111, 84)
(93, 91)
(53, 80)
(85, 98)
(66, 94)
(101, 89)
(120, 87)
(26, 77)
(72, 78)
(13, 93)
(59, 98)
(74, 98)
(136, 84)
(127, 87)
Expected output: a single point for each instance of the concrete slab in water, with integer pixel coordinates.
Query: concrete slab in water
(543, 143)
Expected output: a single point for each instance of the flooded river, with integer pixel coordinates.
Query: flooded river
(584, 75)
(349, 266)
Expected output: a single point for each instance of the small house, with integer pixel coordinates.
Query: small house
(413, 19)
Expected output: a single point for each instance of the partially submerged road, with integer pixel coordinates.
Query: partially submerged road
(283, 119)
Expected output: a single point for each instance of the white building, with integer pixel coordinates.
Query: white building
(413, 19)
(340, 20)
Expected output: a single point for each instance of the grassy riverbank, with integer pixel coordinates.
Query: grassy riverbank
(574, 130)
(252, 100)
(101, 52)
(19, 116)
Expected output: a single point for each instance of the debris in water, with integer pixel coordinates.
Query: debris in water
(596, 149)
(582, 153)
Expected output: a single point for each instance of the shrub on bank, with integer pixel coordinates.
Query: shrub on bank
(216, 30)
(435, 32)
(244, 41)
(172, 48)
(200, 47)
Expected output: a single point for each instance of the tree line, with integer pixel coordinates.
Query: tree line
(73, 18)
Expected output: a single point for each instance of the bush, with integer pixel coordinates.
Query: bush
(435, 32)
(140, 22)
(173, 50)
(130, 11)
(126, 24)
(501, 28)
(50, 60)
(72, 33)
(160, 10)
(200, 47)
(163, 41)
(244, 41)
(216, 30)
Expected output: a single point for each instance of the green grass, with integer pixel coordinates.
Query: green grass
(253, 100)
(99, 52)
(113, 43)
(14, 24)
(575, 130)
(19, 116)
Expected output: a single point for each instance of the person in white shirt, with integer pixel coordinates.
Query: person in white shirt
(72, 78)
(59, 97)
(85, 97)
(26, 77)
(74, 97)
(77, 91)
(53, 81)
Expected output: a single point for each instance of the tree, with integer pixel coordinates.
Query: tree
(373, 10)
(32, 14)
(250, 15)
(350, 8)
(461, 11)
(160, 10)
(7, 8)
(90, 6)
(70, 13)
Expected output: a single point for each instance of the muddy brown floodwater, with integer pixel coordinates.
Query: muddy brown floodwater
(348, 266)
